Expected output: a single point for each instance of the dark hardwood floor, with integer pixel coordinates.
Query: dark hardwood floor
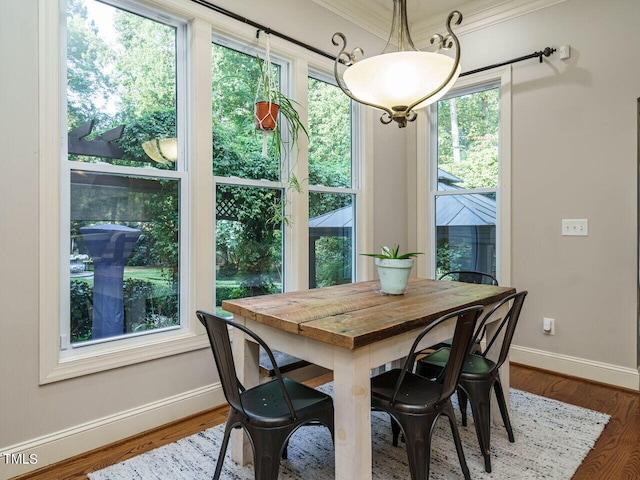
(616, 455)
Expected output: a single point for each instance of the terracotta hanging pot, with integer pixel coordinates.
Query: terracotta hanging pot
(266, 115)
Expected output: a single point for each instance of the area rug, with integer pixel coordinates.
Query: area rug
(552, 439)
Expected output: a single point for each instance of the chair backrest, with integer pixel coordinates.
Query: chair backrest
(508, 324)
(465, 325)
(218, 333)
(470, 276)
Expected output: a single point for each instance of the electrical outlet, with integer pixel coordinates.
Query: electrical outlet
(549, 326)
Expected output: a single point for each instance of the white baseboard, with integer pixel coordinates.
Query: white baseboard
(577, 367)
(40, 452)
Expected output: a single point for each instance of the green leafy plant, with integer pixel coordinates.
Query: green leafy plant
(392, 254)
(268, 90)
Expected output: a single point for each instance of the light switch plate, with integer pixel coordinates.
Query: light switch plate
(575, 226)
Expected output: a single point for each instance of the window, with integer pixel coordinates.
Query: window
(469, 169)
(467, 180)
(250, 181)
(331, 197)
(123, 169)
(257, 191)
(115, 201)
(130, 216)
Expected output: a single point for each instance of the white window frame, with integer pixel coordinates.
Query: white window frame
(56, 361)
(426, 185)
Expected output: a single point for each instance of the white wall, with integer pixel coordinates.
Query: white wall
(65, 418)
(574, 155)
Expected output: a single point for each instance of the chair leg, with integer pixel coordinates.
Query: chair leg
(223, 450)
(479, 394)
(417, 434)
(395, 430)
(462, 403)
(448, 411)
(503, 409)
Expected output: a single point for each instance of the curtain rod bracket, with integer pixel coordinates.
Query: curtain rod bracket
(546, 52)
(263, 29)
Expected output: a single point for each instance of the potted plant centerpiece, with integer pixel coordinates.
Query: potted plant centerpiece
(393, 269)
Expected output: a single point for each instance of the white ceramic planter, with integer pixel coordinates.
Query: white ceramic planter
(394, 274)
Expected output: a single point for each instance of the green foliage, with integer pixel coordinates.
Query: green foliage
(392, 254)
(132, 82)
(476, 117)
(329, 135)
(88, 83)
(451, 256)
(145, 69)
(333, 261)
(81, 306)
(249, 246)
(146, 305)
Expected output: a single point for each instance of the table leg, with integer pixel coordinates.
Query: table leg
(246, 355)
(352, 404)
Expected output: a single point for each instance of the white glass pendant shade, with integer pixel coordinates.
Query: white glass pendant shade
(399, 79)
(162, 150)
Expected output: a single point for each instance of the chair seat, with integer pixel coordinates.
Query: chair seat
(475, 366)
(417, 394)
(265, 404)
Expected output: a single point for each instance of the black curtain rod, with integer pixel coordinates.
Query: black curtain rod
(546, 52)
(260, 27)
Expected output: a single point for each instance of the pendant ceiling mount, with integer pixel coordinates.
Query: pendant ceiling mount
(398, 82)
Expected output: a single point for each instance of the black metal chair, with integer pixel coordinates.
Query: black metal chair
(469, 276)
(466, 276)
(480, 374)
(270, 412)
(415, 403)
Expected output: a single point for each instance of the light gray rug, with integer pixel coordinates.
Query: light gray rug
(552, 439)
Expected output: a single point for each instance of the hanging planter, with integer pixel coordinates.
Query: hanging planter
(266, 114)
(266, 109)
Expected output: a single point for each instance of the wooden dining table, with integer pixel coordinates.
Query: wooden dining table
(349, 329)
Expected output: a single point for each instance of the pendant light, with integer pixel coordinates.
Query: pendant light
(403, 80)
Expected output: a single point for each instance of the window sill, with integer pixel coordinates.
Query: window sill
(98, 358)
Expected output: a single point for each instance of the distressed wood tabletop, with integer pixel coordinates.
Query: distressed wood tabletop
(358, 314)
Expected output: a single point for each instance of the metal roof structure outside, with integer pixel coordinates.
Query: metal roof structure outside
(473, 209)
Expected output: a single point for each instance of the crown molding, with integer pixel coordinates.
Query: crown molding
(375, 15)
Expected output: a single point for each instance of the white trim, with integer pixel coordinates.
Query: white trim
(363, 152)
(63, 444)
(375, 17)
(577, 367)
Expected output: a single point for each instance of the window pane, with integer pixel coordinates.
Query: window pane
(329, 135)
(330, 239)
(237, 144)
(124, 255)
(121, 73)
(248, 242)
(466, 233)
(468, 140)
